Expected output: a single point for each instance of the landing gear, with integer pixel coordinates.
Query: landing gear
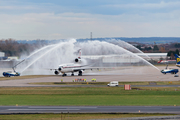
(64, 75)
(80, 73)
(72, 74)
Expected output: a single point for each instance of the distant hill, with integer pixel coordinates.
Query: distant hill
(144, 40)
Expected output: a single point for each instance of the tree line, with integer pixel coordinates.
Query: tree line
(13, 48)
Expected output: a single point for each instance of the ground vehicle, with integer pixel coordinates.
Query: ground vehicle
(10, 73)
(113, 83)
(169, 70)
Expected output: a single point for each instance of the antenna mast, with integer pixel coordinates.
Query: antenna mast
(91, 36)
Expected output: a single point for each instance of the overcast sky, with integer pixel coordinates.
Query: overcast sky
(64, 19)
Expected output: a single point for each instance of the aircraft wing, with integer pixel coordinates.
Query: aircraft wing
(92, 68)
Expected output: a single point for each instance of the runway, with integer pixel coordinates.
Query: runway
(89, 109)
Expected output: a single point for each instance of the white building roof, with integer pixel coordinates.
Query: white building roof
(2, 54)
(151, 54)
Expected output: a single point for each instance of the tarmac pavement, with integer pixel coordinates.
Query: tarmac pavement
(90, 109)
(131, 74)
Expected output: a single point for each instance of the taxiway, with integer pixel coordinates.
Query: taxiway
(90, 109)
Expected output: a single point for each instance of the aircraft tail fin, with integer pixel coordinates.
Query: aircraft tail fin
(80, 53)
(177, 60)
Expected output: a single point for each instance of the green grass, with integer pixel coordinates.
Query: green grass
(115, 96)
(89, 96)
(89, 91)
(90, 100)
(105, 83)
(72, 116)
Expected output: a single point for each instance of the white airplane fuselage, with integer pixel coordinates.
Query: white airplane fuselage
(79, 66)
(70, 67)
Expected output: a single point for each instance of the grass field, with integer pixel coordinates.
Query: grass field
(105, 83)
(86, 96)
(72, 116)
(89, 96)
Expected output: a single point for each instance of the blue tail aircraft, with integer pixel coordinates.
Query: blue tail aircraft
(177, 60)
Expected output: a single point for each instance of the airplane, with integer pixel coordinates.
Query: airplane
(10, 73)
(73, 67)
(167, 61)
(169, 70)
(177, 60)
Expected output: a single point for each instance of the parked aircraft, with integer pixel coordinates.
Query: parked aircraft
(169, 70)
(167, 61)
(177, 60)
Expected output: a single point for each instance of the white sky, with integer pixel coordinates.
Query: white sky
(63, 19)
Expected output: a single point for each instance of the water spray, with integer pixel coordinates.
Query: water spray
(50, 50)
(127, 46)
(105, 48)
(64, 51)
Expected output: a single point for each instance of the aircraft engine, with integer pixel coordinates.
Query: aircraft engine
(56, 72)
(59, 68)
(77, 60)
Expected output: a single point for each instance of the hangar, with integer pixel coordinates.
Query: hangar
(125, 58)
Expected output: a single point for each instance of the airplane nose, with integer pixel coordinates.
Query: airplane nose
(59, 68)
